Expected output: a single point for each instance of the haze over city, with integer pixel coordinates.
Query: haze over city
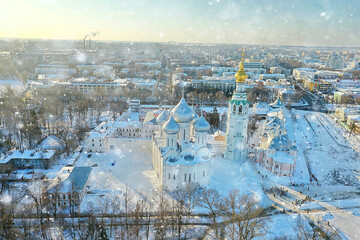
(179, 119)
(316, 23)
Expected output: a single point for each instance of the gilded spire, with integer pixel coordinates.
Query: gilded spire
(241, 74)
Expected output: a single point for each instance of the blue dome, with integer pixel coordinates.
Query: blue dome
(182, 113)
(163, 117)
(201, 125)
(171, 127)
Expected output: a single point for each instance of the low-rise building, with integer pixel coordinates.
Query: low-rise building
(277, 153)
(30, 159)
(128, 125)
(70, 192)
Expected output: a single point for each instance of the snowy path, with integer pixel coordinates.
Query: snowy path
(343, 220)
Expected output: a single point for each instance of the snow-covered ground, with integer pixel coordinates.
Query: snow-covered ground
(228, 175)
(322, 151)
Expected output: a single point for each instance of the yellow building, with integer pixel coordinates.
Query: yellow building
(318, 86)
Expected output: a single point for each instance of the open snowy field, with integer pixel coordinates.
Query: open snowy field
(323, 152)
(129, 164)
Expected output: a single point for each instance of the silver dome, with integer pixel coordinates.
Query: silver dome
(182, 113)
(201, 125)
(163, 117)
(171, 127)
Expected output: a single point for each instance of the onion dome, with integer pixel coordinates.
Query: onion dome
(171, 127)
(196, 117)
(201, 125)
(182, 113)
(163, 117)
(241, 74)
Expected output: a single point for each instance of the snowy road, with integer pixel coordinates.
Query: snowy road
(343, 220)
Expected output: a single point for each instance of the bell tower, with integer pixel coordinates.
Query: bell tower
(237, 122)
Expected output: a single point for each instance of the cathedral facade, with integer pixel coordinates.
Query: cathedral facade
(180, 153)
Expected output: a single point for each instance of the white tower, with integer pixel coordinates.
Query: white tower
(171, 128)
(237, 123)
(201, 127)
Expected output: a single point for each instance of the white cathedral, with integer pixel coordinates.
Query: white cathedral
(180, 151)
(181, 154)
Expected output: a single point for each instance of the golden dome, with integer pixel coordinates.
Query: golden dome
(241, 74)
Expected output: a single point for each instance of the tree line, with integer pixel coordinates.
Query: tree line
(159, 215)
(32, 116)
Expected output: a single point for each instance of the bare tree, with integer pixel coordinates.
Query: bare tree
(309, 230)
(160, 222)
(7, 229)
(243, 216)
(24, 212)
(210, 200)
(36, 190)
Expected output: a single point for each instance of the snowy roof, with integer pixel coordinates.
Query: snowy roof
(277, 103)
(96, 135)
(182, 113)
(274, 122)
(355, 118)
(192, 154)
(51, 142)
(287, 91)
(29, 154)
(282, 157)
(131, 121)
(76, 180)
(281, 142)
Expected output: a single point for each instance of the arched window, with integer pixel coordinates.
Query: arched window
(240, 109)
(234, 108)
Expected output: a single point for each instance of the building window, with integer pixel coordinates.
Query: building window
(203, 173)
(185, 177)
(234, 109)
(174, 177)
(169, 175)
(189, 177)
(240, 109)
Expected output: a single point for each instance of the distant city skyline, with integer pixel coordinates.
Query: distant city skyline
(299, 22)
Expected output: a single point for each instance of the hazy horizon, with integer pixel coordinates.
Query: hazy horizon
(326, 23)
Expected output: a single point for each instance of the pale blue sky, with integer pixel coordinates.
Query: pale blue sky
(299, 22)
